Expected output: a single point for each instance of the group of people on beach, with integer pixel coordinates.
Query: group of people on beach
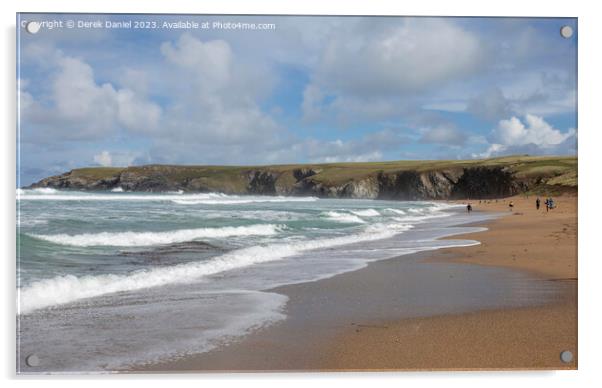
(549, 202)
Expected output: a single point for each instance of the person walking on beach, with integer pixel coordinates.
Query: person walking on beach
(469, 208)
(537, 203)
(511, 205)
(547, 204)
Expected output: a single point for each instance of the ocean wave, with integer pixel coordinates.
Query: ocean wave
(178, 197)
(366, 213)
(265, 215)
(396, 211)
(344, 218)
(33, 222)
(132, 239)
(219, 199)
(69, 288)
(39, 190)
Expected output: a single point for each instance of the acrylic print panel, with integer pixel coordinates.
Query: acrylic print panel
(295, 193)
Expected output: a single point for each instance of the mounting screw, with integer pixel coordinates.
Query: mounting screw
(32, 27)
(566, 356)
(32, 360)
(566, 31)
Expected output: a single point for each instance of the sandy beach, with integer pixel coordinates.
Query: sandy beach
(508, 303)
(542, 243)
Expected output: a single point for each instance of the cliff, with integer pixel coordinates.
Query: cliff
(400, 180)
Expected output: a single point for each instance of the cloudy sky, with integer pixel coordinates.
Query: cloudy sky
(314, 89)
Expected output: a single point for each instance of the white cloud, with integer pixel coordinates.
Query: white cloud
(79, 100)
(104, 159)
(216, 96)
(395, 58)
(134, 79)
(79, 108)
(312, 101)
(115, 158)
(211, 61)
(491, 104)
(531, 136)
(378, 72)
(446, 106)
(535, 130)
(443, 135)
(136, 113)
(370, 147)
(492, 150)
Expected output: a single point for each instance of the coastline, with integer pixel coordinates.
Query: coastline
(355, 321)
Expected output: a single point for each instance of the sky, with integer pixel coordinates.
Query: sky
(307, 90)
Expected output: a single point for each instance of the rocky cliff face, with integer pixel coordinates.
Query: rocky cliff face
(407, 184)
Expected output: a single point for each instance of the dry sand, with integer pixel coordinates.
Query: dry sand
(355, 321)
(543, 243)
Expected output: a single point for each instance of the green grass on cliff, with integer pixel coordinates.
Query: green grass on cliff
(97, 172)
(554, 170)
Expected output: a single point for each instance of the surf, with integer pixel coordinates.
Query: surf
(141, 239)
(70, 288)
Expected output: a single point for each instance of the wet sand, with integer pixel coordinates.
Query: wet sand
(509, 303)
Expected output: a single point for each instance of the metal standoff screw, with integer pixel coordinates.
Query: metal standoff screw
(566, 356)
(32, 27)
(566, 32)
(32, 360)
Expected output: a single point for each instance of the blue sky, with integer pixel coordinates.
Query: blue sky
(314, 89)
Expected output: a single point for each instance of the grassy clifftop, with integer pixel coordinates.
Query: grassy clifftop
(428, 179)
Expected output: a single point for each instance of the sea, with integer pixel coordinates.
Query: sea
(107, 281)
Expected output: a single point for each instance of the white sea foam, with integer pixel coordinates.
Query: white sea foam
(176, 197)
(265, 215)
(33, 222)
(69, 288)
(421, 217)
(396, 211)
(38, 191)
(345, 218)
(233, 199)
(366, 213)
(131, 239)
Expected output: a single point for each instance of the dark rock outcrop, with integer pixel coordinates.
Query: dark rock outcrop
(262, 182)
(481, 182)
(412, 185)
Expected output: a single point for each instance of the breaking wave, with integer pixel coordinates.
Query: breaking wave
(366, 213)
(345, 218)
(178, 197)
(133, 239)
(69, 288)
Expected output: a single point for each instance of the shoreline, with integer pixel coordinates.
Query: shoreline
(525, 337)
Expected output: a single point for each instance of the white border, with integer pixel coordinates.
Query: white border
(590, 325)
